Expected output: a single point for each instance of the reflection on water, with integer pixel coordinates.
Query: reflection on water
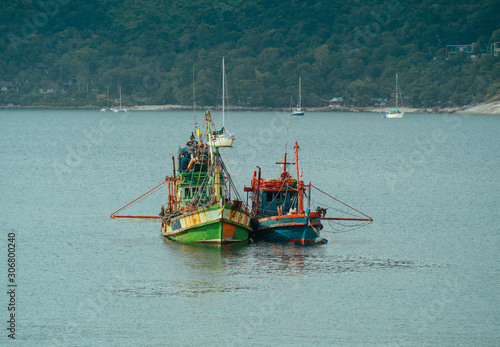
(281, 259)
(209, 269)
(171, 288)
(91, 281)
(292, 260)
(205, 256)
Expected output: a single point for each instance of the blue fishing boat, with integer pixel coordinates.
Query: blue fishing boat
(281, 208)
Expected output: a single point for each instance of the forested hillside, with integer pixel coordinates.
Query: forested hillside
(70, 52)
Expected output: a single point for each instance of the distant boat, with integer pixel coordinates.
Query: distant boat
(120, 109)
(299, 111)
(395, 113)
(223, 138)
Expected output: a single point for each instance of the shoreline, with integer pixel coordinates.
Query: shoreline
(491, 107)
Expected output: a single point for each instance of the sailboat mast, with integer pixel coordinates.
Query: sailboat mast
(194, 99)
(300, 91)
(223, 90)
(396, 92)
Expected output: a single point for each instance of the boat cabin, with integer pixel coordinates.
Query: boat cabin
(196, 184)
(273, 197)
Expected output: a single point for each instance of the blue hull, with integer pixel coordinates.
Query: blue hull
(288, 229)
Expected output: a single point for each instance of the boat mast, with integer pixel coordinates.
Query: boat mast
(257, 194)
(299, 182)
(396, 92)
(214, 156)
(223, 90)
(300, 92)
(194, 99)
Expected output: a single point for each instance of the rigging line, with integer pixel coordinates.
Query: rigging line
(140, 197)
(230, 180)
(333, 208)
(317, 232)
(232, 173)
(347, 225)
(135, 202)
(345, 229)
(198, 196)
(201, 166)
(339, 223)
(343, 203)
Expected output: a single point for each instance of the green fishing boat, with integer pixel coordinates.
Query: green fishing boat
(203, 203)
(201, 208)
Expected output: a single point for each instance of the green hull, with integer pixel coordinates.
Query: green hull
(210, 225)
(209, 233)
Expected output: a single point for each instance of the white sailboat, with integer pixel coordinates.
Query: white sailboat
(121, 109)
(299, 111)
(395, 113)
(223, 138)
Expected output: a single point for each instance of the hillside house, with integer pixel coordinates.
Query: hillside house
(452, 50)
(495, 49)
(336, 101)
(379, 101)
(49, 88)
(7, 86)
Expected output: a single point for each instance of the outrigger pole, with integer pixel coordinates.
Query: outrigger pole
(113, 215)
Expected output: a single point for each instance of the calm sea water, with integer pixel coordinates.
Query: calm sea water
(426, 272)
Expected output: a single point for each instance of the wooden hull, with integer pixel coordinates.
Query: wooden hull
(288, 228)
(214, 225)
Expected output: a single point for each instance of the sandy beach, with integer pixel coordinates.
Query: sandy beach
(492, 107)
